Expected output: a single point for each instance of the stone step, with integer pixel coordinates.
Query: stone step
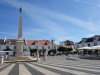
(15, 59)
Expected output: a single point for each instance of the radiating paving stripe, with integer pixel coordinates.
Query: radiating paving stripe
(1, 65)
(80, 65)
(4, 66)
(66, 70)
(14, 70)
(86, 70)
(23, 70)
(46, 72)
(91, 67)
(7, 70)
(86, 64)
(32, 70)
(78, 68)
(55, 70)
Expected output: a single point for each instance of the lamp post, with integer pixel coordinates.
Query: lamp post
(37, 54)
(2, 59)
(45, 55)
(52, 40)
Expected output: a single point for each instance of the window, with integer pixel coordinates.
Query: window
(36, 42)
(36, 47)
(89, 45)
(82, 45)
(48, 47)
(77, 46)
(48, 42)
(29, 47)
(7, 42)
(95, 44)
(14, 47)
(54, 47)
(61, 44)
(7, 46)
(42, 47)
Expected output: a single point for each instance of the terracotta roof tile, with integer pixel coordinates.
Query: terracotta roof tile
(29, 42)
(40, 42)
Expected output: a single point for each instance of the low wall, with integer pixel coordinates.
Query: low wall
(89, 57)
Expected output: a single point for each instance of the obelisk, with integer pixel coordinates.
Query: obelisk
(20, 42)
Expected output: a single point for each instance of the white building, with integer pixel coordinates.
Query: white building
(92, 41)
(28, 44)
(68, 44)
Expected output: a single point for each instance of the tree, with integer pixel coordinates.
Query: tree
(42, 52)
(32, 51)
(69, 49)
(62, 49)
(52, 52)
(7, 49)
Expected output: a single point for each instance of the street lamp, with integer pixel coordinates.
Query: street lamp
(2, 59)
(52, 40)
(45, 55)
(37, 54)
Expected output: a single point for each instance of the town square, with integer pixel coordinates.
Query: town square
(47, 37)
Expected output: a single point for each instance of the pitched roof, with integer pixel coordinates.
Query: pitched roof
(68, 42)
(11, 41)
(89, 40)
(79, 42)
(97, 35)
(40, 42)
(29, 42)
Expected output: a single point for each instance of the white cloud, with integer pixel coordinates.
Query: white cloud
(66, 38)
(89, 35)
(44, 17)
(38, 15)
(39, 30)
(87, 2)
(7, 33)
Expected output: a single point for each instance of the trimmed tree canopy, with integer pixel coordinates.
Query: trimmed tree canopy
(62, 49)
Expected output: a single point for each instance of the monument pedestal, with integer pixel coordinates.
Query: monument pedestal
(19, 51)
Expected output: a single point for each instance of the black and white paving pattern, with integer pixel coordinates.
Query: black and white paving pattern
(57, 65)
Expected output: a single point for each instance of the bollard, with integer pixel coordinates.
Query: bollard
(6, 56)
(37, 56)
(2, 58)
(45, 57)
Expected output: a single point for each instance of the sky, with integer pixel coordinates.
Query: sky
(50, 19)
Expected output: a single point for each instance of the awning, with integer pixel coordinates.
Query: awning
(5, 51)
(96, 47)
(85, 48)
(90, 48)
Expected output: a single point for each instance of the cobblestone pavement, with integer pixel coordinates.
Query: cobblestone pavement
(54, 65)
